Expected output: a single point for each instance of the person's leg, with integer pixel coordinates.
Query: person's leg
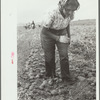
(48, 46)
(64, 61)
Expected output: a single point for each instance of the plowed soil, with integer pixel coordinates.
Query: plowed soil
(82, 58)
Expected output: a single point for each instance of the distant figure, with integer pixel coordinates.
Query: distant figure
(33, 25)
(28, 26)
(56, 31)
(25, 26)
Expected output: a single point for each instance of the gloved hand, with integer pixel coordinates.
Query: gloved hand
(64, 39)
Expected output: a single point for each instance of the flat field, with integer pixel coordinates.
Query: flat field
(82, 59)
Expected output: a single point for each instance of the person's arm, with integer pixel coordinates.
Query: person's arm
(62, 38)
(68, 30)
(53, 36)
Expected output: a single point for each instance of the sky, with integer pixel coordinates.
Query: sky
(28, 10)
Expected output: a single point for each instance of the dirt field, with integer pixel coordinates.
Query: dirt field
(82, 57)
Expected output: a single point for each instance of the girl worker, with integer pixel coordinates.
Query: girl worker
(56, 31)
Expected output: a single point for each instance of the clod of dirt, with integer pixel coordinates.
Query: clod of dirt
(54, 92)
(93, 84)
(93, 70)
(90, 74)
(31, 76)
(43, 84)
(37, 76)
(78, 70)
(41, 87)
(19, 84)
(29, 98)
(42, 71)
(81, 78)
(59, 80)
(30, 93)
(86, 74)
(92, 81)
(50, 82)
(42, 99)
(27, 63)
(56, 80)
(32, 86)
(36, 50)
(26, 68)
(42, 54)
(27, 85)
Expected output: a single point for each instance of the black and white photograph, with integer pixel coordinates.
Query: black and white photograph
(56, 47)
(53, 52)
